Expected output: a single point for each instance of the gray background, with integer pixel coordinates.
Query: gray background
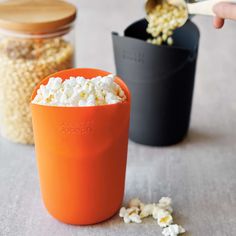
(199, 173)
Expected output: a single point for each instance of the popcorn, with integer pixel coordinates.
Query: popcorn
(160, 211)
(147, 210)
(164, 218)
(135, 218)
(127, 220)
(122, 212)
(155, 212)
(165, 204)
(130, 215)
(78, 91)
(133, 210)
(173, 230)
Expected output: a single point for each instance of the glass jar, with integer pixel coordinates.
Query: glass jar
(36, 39)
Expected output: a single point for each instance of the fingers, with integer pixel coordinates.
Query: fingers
(225, 11)
(218, 22)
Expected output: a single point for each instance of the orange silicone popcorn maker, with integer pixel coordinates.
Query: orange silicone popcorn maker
(81, 155)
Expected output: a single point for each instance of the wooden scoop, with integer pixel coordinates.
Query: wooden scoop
(195, 7)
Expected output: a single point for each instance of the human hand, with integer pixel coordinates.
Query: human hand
(223, 11)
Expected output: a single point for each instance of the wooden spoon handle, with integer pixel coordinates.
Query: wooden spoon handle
(204, 7)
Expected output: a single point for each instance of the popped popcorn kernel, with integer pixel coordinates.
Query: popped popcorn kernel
(147, 210)
(122, 212)
(130, 215)
(173, 230)
(135, 218)
(164, 218)
(165, 204)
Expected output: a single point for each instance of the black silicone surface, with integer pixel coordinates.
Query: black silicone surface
(161, 80)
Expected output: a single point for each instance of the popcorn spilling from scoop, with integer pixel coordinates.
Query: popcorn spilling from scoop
(163, 20)
(161, 211)
(79, 91)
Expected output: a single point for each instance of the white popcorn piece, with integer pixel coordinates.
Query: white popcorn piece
(78, 91)
(130, 215)
(167, 208)
(147, 210)
(173, 230)
(164, 218)
(155, 212)
(165, 204)
(132, 210)
(122, 212)
(135, 202)
(54, 83)
(127, 220)
(135, 218)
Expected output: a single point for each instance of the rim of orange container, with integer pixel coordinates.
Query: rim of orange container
(72, 73)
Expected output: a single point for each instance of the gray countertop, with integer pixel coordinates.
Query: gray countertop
(199, 173)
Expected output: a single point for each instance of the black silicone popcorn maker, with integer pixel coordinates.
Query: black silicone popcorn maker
(161, 80)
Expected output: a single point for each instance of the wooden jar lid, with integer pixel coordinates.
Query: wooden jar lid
(36, 16)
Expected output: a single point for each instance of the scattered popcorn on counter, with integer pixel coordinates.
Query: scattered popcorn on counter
(160, 211)
(78, 91)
